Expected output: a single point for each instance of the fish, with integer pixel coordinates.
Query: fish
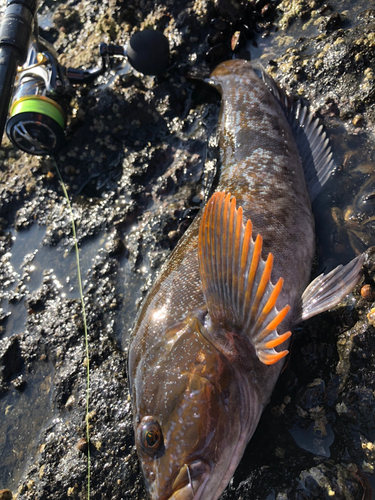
(213, 333)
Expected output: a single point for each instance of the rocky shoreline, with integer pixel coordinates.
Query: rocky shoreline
(140, 157)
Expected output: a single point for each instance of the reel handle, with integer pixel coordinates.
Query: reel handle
(15, 33)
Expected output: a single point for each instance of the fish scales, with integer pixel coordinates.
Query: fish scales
(261, 167)
(254, 152)
(197, 379)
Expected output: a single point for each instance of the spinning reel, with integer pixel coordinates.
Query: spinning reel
(40, 102)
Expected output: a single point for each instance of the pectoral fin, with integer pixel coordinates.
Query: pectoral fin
(240, 297)
(327, 290)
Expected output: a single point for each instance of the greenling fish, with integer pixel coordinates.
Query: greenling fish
(212, 335)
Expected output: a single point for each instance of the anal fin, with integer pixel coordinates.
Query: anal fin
(240, 297)
(327, 290)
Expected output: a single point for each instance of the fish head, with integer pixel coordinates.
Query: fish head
(228, 70)
(190, 427)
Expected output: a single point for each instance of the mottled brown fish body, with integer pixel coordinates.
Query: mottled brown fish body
(261, 167)
(196, 407)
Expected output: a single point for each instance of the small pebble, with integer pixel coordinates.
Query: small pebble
(116, 247)
(173, 235)
(197, 199)
(19, 384)
(82, 445)
(70, 402)
(367, 293)
(371, 317)
(6, 495)
(357, 120)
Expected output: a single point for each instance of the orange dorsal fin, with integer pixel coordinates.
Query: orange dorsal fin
(240, 297)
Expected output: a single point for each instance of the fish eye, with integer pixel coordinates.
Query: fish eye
(150, 435)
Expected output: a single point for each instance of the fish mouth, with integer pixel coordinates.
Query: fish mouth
(190, 481)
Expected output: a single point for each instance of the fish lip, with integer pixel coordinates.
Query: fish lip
(190, 481)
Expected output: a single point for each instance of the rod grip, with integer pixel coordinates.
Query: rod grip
(8, 68)
(15, 33)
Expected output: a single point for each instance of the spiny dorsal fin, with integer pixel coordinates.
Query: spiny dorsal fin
(312, 141)
(240, 297)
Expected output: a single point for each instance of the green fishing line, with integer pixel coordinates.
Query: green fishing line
(85, 328)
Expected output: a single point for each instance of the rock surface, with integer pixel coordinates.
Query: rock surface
(140, 157)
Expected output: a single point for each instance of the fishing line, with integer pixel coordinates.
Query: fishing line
(84, 325)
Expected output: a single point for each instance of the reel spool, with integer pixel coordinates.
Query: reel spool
(36, 125)
(37, 120)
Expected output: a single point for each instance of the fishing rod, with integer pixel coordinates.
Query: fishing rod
(36, 90)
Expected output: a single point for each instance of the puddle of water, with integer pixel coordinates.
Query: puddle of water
(22, 418)
(41, 258)
(25, 246)
(16, 320)
(345, 210)
(29, 259)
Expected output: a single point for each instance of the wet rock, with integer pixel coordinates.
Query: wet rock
(139, 160)
(343, 64)
(331, 23)
(19, 383)
(294, 9)
(66, 18)
(11, 360)
(116, 248)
